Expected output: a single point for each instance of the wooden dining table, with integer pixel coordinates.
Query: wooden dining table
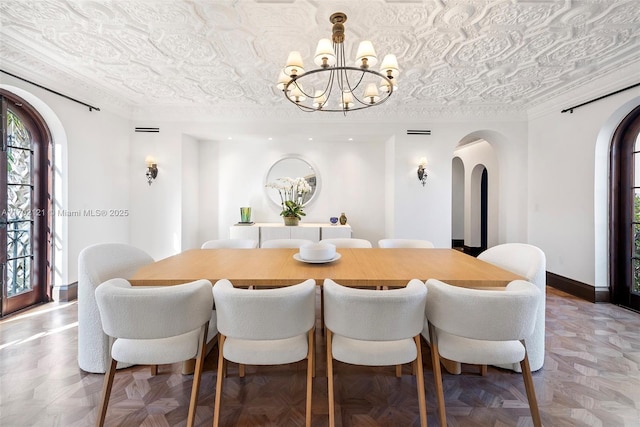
(362, 267)
(374, 267)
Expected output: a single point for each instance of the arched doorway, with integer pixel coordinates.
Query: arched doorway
(476, 161)
(25, 206)
(457, 203)
(478, 209)
(624, 184)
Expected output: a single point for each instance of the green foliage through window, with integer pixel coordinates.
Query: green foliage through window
(18, 211)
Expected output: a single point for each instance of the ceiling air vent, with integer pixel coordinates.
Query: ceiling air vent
(156, 130)
(418, 132)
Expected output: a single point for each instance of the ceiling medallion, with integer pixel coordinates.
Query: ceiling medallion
(334, 86)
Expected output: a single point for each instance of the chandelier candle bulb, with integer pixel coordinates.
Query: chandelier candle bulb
(366, 55)
(294, 65)
(283, 80)
(296, 94)
(385, 85)
(371, 93)
(325, 55)
(346, 101)
(319, 99)
(389, 66)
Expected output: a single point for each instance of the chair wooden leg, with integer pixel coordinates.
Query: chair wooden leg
(154, 370)
(422, 401)
(314, 363)
(197, 375)
(310, 374)
(483, 370)
(221, 369)
(528, 386)
(437, 375)
(189, 366)
(322, 328)
(452, 367)
(106, 392)
(332, 415)
(241, 370)
(399, 371)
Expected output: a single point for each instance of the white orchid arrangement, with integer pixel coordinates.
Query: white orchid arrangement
(292, 195)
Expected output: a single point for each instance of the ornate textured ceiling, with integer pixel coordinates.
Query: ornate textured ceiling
(223, 57)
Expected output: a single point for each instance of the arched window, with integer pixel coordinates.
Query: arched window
(624, 241)
(25, 206)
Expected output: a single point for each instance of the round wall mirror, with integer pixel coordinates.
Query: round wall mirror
(292, 166)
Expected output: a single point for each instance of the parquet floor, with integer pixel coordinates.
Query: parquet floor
(591, 378)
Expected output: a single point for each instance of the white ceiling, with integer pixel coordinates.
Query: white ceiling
(222, 58)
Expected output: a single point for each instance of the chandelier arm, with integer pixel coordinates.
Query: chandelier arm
(351, 89)
(332, 70)
(327, 90)
(324, 70)
(295, 81)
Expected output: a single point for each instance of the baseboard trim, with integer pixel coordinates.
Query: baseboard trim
(66, 293)
(472, 250)
(578, 289)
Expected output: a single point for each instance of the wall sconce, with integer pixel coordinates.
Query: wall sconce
(422, 172)
(152, 169)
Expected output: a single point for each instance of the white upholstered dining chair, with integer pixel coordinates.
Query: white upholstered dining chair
(347, 242)
(482, 327)
(286, 243)
(230, 243)
(265, 327)
(529, 262)
(375, 328)
(404, 243)
(154, 326)
(96, 264)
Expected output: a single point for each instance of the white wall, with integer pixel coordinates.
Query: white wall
(457, 199)
(389, 186)
(190, 194)
(98, 178)
(564, 190)
(156, 209)
(208, 195)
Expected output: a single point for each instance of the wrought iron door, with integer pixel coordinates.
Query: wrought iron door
(24, 210)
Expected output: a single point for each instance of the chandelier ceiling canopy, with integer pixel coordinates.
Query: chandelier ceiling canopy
(335, 86)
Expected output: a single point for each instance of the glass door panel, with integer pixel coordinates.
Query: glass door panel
(20, 287)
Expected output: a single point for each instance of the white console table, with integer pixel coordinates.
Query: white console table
(261, 232)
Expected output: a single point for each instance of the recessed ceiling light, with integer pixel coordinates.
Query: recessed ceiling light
(270, 139)
(310, 139)
(229, 138)
(350, 139)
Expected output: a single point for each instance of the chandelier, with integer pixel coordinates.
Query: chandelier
(336, 87)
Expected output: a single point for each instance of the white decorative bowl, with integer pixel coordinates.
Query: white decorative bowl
(317, 251)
